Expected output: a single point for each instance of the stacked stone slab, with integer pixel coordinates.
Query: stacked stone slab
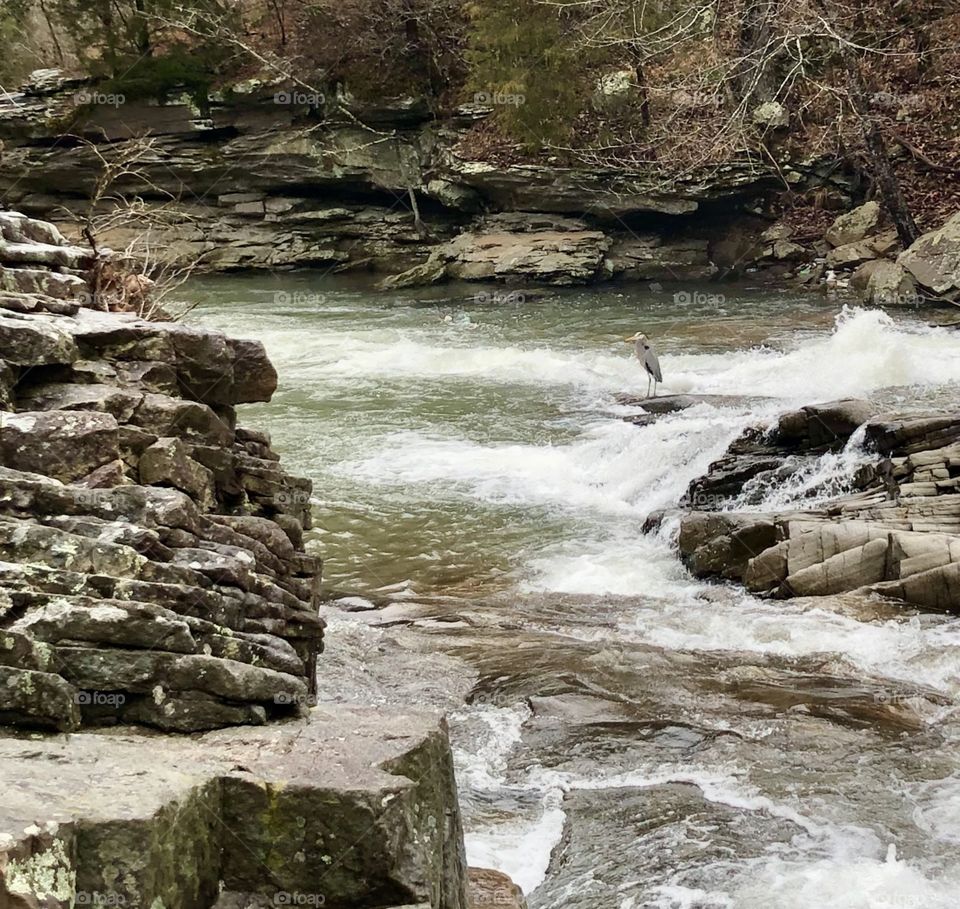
(152, 567)
(352, 807)
(896, 533)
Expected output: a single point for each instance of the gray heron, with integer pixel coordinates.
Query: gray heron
(648, 358)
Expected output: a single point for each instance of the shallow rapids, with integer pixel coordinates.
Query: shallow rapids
(636, 738)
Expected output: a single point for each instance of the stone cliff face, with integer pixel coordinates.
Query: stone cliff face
(153, 566)
(252, 183)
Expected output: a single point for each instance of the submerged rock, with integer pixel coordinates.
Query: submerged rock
(663, 404)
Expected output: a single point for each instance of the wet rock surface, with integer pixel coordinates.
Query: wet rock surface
(152, 564)
(895, 531)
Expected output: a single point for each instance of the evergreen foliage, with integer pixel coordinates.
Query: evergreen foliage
(523, 63)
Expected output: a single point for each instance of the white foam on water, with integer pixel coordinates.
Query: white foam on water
(937, 808)
(619, 565)
(520, 847)
(826, 866)
(612, 469)
(825, 478)
(520, 850)
(862, 882)
(483, 764)
(337, 357)
(604, 483)
(867, 350)
(676, 896)
(921, 652)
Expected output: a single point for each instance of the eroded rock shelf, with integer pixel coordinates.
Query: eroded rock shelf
(894, 532)
(153, 567)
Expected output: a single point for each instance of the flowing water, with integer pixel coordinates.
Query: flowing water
(635, 738)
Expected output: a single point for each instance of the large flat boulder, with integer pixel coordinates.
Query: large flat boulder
(29, 340)
(934, 260)
(348, 807)
(855, 225)
(209, 366)
(548, 250)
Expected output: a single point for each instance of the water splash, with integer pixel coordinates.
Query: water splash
(810, 485)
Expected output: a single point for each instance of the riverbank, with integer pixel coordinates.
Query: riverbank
(252, 183)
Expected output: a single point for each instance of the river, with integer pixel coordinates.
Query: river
(634, 738)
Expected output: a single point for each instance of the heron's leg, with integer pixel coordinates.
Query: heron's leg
(649, 379)
(654, 387)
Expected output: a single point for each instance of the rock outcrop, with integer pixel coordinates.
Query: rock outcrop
(353, 807)
(895, 531)
(152, 566)
(929, 271)
(152, 573)
(934, 260)
(260, 177)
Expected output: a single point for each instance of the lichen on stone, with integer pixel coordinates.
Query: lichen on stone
(48, 872)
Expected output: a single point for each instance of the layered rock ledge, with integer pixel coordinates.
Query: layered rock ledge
(152, 567)
(895, 531)
(246, 182)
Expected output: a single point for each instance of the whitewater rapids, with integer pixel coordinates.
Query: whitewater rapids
(479, 451)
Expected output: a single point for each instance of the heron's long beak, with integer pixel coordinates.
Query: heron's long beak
(631, 338)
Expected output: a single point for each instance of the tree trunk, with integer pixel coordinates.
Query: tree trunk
(144, 43)
(886, 180)
(644, 94)
(753, 74)
(53, 32)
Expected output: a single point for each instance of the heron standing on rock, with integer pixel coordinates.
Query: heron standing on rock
(648, 358)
